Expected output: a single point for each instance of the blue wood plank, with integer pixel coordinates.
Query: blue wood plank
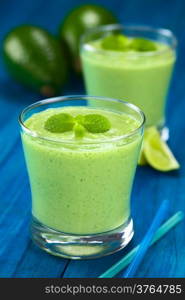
(35, 263)
(18, 256)
(15, 213)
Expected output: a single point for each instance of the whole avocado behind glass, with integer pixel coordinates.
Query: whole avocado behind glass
(77, 22)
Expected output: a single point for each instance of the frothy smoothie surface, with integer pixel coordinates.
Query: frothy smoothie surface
(82, 187)
(121, 124)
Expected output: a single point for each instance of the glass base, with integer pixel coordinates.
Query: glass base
(81, 246)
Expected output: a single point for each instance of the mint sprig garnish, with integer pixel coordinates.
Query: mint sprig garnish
(96, 123)
(79, 119)
(79, 130)
(116, 42)
(120, 42)
(141, 44)
(62, 122)
(59, 123)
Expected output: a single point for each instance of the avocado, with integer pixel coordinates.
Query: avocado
(77, 22)
(35, 58)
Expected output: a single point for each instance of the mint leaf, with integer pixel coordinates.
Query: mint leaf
(62, 122)
(117, 42)
(141, 44)
(96, 123)
(79, 130)
(59, 123)
(79, 119)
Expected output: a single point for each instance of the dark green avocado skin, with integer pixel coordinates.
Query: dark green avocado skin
(77, 22)
(35, 58)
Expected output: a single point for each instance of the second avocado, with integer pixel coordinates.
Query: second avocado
(77, 22)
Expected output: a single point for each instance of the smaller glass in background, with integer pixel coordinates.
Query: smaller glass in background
(141, 78)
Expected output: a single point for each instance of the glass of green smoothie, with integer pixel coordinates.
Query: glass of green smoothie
(81, 162)
(130, 62)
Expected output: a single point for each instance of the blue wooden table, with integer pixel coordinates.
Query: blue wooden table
(18, 256)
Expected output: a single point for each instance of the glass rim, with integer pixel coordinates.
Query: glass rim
(161, 31)
(78, 97)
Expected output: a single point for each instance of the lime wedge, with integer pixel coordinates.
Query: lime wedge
(157, 152)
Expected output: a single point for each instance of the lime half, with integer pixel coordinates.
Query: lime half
(157, 153)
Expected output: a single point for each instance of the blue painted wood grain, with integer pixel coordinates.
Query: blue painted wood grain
(18, 256)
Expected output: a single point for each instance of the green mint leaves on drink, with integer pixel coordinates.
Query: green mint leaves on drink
(120, 42)
(79, 130)
(62, 122)
(141, 44)
(59, 123)
(116, 42)
(96, 123)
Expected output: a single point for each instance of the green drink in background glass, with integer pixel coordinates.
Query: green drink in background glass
(81, 180)
(138, 68)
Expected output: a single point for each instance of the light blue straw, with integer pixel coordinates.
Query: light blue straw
(160, 216)
(127, 259)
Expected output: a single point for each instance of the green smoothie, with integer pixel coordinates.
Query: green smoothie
(82, 185)
(139, 77)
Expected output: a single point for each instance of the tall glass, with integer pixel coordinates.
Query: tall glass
(141, 78)
(81, 190)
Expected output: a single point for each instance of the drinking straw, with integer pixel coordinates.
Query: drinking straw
(126, 260)
(145, 244)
